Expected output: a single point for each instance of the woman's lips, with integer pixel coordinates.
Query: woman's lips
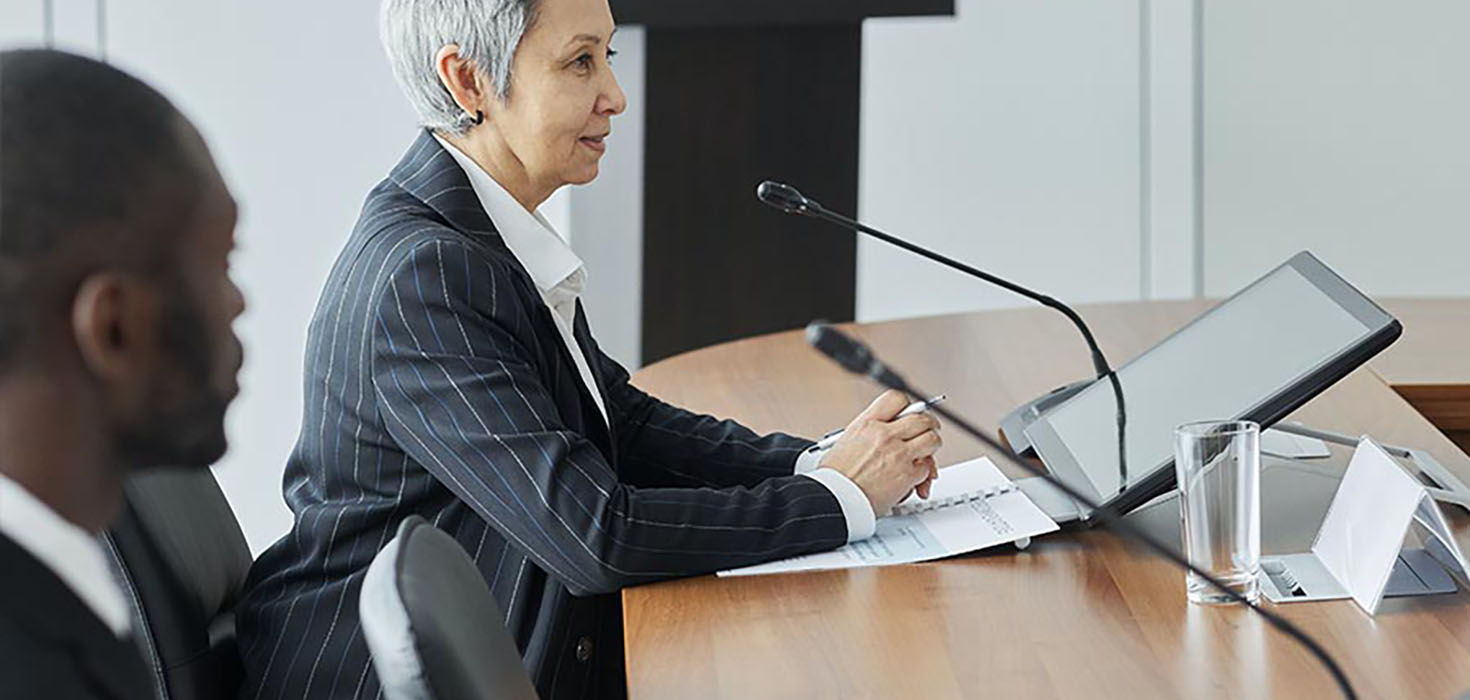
(594, 142)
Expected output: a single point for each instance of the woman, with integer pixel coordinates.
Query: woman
(450, 374)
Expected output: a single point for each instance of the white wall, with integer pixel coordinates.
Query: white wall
(1007, 137)
(72, 24)
(21, 22)
(1338, 126)
(1169, 62)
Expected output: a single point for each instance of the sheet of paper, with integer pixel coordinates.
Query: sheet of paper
(956, 529)
(1365, 525)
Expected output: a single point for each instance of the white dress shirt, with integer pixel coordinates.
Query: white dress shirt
(70, 552)
(560, 276)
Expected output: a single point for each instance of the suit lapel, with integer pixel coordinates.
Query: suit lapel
(583, 335)
(432, 176)
(44, 605)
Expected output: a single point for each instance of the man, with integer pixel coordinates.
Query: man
(450, 373)
(116, 350)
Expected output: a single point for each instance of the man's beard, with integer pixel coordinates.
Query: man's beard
(182, 423)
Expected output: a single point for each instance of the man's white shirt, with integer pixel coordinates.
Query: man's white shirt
(70, 552)
(560, 276)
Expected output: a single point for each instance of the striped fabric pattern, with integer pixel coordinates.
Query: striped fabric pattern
(437, 384)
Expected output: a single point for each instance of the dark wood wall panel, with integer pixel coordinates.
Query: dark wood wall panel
(726, 108)
(706, 13)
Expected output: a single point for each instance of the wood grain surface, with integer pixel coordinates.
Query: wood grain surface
(1079, 614)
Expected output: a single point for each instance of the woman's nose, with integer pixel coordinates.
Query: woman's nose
(613, 99)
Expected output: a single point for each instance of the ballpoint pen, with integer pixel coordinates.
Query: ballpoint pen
(831, 438)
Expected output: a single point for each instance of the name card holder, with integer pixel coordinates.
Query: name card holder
(1359, 551)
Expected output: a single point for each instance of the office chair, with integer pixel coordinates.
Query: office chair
(433, 629)
(181, 559)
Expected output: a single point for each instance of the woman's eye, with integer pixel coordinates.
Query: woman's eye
(611, 53)
(584, 61)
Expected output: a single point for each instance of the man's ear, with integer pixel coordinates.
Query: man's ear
(461, 78)
(108, 318)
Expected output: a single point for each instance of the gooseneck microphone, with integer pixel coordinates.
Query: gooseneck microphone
(791, 201)
(857, 358)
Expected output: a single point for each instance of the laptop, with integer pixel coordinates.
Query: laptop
(1258, 355)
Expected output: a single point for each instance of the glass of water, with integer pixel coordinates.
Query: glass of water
(1219, 468)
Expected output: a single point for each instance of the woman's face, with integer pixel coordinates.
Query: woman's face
(563, 94)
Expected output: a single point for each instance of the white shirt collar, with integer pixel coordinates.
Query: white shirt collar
(543, 252)
(70, 552)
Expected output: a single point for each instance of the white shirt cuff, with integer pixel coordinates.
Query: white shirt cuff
(856, 508)
(808, 461)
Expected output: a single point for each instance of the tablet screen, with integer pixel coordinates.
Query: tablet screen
(1221, 366)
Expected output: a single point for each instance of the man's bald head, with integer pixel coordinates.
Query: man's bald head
(97, 171)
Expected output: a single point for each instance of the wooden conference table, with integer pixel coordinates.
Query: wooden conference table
(1079, 614)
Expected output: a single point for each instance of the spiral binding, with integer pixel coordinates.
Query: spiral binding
(957, 499)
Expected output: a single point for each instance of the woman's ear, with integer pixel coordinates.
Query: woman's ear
(460, 77)
(107, 322)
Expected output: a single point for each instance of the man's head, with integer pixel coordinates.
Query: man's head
(115, 235)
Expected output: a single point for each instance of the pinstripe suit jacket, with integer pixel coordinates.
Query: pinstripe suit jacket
(437, 384)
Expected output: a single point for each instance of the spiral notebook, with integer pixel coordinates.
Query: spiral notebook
(972, 506)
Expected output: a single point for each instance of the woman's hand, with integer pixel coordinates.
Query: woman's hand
(886, 456)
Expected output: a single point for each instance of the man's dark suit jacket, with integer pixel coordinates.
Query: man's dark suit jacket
(52, 645)
(437, 384)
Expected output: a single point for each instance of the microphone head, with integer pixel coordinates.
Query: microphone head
(784, 197)
(854, 356)
(851, 354)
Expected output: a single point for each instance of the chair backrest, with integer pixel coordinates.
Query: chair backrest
(182, 560)
(434, 631)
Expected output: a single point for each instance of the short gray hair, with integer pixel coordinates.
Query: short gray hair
(487, 32)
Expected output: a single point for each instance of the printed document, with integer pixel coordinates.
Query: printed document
(972, 506)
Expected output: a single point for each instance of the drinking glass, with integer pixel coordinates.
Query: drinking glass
(1218, 464)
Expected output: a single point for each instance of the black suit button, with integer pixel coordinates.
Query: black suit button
(584, 649)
